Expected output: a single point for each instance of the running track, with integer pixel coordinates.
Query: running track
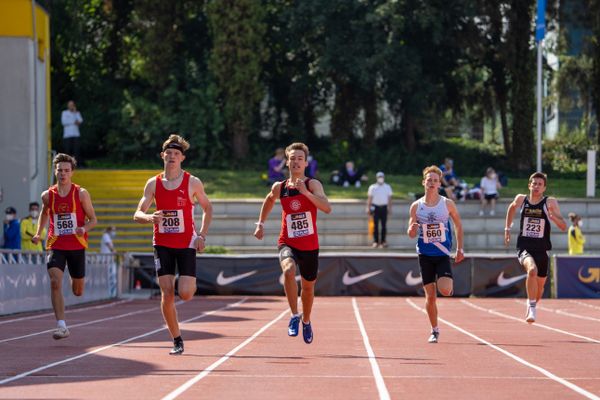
(365, 348)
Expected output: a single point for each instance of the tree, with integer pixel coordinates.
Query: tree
(238, 29)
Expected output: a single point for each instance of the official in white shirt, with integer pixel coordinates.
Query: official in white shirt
(379, 205)
(71, 119)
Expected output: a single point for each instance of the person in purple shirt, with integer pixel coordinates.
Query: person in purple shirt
(277, 167)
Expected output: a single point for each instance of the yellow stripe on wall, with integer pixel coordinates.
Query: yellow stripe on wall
(15, 20)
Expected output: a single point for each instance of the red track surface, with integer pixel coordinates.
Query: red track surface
(242, 351)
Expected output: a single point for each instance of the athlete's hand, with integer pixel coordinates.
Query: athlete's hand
(80, 231)
(413, 229)
(460, 256)
(200, 244)
(506, 238)
(156, 217)
(35, 239)
(301, 186)
(259, 232)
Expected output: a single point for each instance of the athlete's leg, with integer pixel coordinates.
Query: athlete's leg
(77, 285)
(307, 297)
(430, 303)
(288, 266)
(531, 283)
(541, 282)
(56, 295)
(186, 287)
(445, 286)
(167, 303)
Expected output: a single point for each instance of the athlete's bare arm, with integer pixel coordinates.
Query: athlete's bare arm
(314, 193)
(455, 216)
(555, 215)
(266, 208)
(42, 219)
(510, 215)
(88, 209)
(413, 226)
(197, 191)
(140, 215)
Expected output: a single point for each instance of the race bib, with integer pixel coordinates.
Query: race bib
(434, 233)
(65, 224)
(533, 227)
(172, 222)
(299, 224)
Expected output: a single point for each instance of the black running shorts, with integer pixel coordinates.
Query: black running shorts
(169, 261)
(74, 259)
(540, 258)
(306, 260)
(434, 267)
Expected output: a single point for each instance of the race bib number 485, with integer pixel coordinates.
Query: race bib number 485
(434, 233)
(65, 224)
(172, 222)
(299, 224)
(533, 227)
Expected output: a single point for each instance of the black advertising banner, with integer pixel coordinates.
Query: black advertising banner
(577, 276)
(500, 276)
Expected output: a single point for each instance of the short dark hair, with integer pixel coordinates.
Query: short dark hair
(62, 157)
(34, 203)
(539, 175)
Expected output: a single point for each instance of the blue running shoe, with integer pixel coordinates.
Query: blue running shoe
(307, 333)
(293, 326)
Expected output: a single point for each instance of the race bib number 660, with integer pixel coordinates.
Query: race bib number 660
(434, 233)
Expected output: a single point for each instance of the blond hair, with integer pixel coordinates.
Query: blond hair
(432, 169)
(178, 141)
(297, 146)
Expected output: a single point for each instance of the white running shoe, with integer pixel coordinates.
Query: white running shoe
(530, 314)
(60, 333)
(434, 337)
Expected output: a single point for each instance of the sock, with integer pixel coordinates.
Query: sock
(178, 339)
(532, 303)
(296, 315)
(435, 329)
(62, 323)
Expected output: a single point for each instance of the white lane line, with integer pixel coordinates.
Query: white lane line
(543, 371)
(96, 321)
(522, 320)
(131, 339)
(220, 361)
(581, 303)
(381, 388)
(562, 312)
(68, 312)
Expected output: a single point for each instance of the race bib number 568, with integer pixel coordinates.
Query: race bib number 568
(65, 224)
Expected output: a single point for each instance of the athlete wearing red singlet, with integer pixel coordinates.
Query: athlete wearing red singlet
(175, 239)
(69, 209)
(298, 242)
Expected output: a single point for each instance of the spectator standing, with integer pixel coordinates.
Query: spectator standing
(106, 244)
(576, 238)
(12, 230)
(71, 119)
(489, 191)
(277, 167)
(379, 205)
(29, 226)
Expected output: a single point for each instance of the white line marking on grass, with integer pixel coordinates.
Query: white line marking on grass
(549, 374)
(131, 339)
(96, 321)
(68, 312)
(522, 320)
(220, 361)
(381, 388)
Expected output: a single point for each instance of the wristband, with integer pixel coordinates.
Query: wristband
(461, 250)
(259, 223)
(202, 237)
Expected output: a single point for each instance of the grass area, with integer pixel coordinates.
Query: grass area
(129, 184)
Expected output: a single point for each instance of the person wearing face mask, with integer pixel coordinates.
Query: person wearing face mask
(12, 230)
(379, 206)
(29, 226)
(576, 238)
(106, 245)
